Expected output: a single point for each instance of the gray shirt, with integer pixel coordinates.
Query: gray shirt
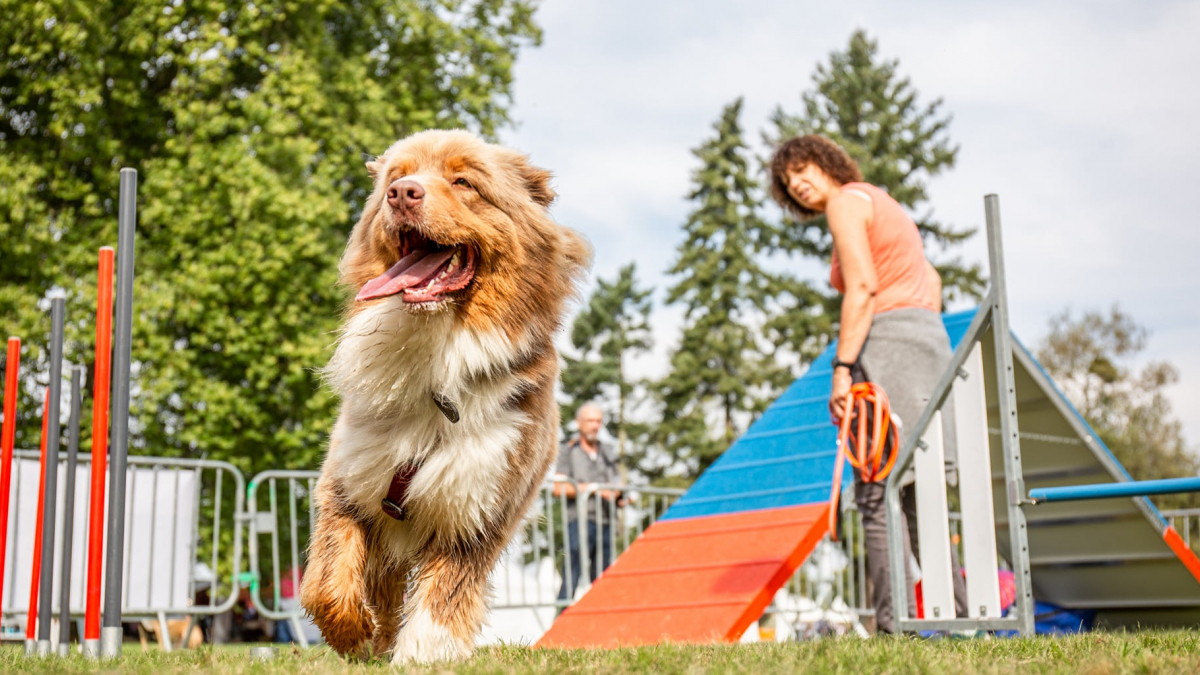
(578, 465)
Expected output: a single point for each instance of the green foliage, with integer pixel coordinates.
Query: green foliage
(860, 102)
(248, 124)
(723, 371)
(614, 326)
(1091, 359)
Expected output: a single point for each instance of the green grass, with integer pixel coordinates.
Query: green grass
(1095, 654)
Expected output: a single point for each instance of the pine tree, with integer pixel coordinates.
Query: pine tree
(613, 327)
(864, 105)
(722, 371)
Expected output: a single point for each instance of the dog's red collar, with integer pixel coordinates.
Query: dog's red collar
(397, 494)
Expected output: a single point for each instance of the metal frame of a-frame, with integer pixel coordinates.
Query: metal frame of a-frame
(994, 315)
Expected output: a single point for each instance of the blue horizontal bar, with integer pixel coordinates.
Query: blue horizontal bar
(1138, 488)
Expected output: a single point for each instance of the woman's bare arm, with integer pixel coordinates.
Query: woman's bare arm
(935, 284)
(848, 219)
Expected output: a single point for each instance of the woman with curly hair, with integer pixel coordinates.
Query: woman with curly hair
(890, 330)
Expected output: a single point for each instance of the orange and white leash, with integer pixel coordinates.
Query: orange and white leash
(863, 434)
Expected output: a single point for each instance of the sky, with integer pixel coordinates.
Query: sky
(1081, 116)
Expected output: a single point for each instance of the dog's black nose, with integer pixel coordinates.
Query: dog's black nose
(405, 193)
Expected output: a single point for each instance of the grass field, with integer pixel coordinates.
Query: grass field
(1095, 654)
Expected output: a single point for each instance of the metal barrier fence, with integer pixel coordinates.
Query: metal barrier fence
(617, 514)
(281, 574)
(537, 570)
(183, 543)
(1187, 523)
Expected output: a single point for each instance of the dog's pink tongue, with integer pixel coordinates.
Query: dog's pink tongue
(412, 269)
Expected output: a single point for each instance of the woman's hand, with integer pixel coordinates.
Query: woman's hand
(841, 386)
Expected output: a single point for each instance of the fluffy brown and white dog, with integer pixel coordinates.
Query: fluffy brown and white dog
(446, 370)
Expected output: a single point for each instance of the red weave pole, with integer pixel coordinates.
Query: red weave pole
(95, 564)
(7, 437)
(31, 622)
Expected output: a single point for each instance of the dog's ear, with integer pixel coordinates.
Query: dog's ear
(534, 180)
(373, 168)
(537, 184)
(578, 252)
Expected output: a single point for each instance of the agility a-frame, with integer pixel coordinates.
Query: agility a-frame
(1113, 555)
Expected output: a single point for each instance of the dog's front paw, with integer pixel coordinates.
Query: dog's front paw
(346, 626)
(423, 640)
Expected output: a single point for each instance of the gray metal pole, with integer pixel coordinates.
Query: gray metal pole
(110, 632)
(1009, 435)
(58, 304)
(78, 373)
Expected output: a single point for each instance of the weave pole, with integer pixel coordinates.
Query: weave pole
(110, 634)
(34, 577)
(58, 302)
(78, 373)
(12, 365)
(95, 553)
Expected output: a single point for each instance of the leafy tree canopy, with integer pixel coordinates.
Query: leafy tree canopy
(1091, 357)
(249, 124)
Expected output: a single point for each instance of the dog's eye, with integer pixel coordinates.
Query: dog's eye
(462, 182)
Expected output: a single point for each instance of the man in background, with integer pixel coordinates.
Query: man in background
(588, 463)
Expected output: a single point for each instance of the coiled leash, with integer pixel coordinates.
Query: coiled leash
(866, 438)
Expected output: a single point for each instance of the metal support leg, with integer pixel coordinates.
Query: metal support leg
(164, 633)
(298, 631)
(1009, 434)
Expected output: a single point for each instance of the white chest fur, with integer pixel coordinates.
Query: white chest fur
(386, 366)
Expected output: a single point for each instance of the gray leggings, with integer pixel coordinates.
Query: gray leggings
(871, 505)
(905, 353)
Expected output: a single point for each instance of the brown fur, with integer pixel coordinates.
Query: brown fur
(333, 588)
(528, 267)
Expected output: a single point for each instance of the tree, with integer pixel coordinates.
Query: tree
(861, 103)
(722, 371)
(1091, 359)
(614, 326)
(249, 124)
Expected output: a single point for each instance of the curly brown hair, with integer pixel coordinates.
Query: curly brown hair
(794, 154)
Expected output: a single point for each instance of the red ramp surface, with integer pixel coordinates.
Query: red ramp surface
(700, 579)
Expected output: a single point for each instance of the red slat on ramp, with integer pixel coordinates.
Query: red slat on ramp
(702, 579)
(1186, 555)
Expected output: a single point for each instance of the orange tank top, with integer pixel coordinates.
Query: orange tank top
(897, 252)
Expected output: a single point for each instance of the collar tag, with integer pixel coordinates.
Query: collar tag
(447, 406)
